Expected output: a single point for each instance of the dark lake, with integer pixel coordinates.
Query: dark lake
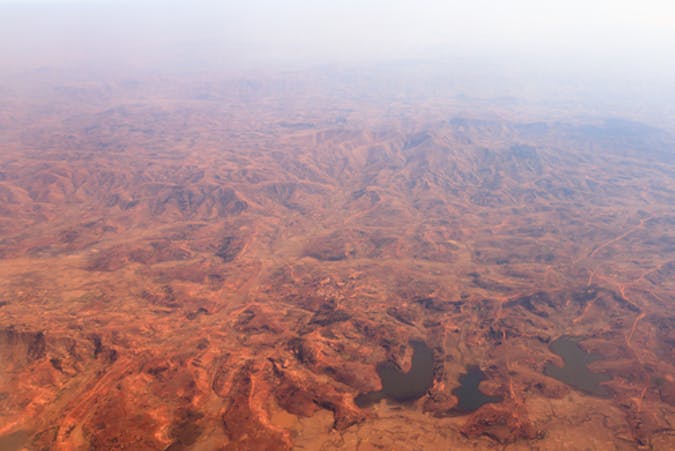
(403, 387)
(575, 372)
(468, 395)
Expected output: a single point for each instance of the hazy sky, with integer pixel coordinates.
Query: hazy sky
(318, 31)
(614, 55)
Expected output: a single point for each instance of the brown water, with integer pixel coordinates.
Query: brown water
(575, 372)
(14, 441)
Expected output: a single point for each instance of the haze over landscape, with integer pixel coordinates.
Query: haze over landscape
(337, 225)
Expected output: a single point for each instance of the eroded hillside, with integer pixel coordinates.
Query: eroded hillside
(215, 267)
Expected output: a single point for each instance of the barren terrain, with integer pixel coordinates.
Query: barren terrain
(224, 266)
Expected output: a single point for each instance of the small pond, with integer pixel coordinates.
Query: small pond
(469, 396)
(403, 387)
(575, 371)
